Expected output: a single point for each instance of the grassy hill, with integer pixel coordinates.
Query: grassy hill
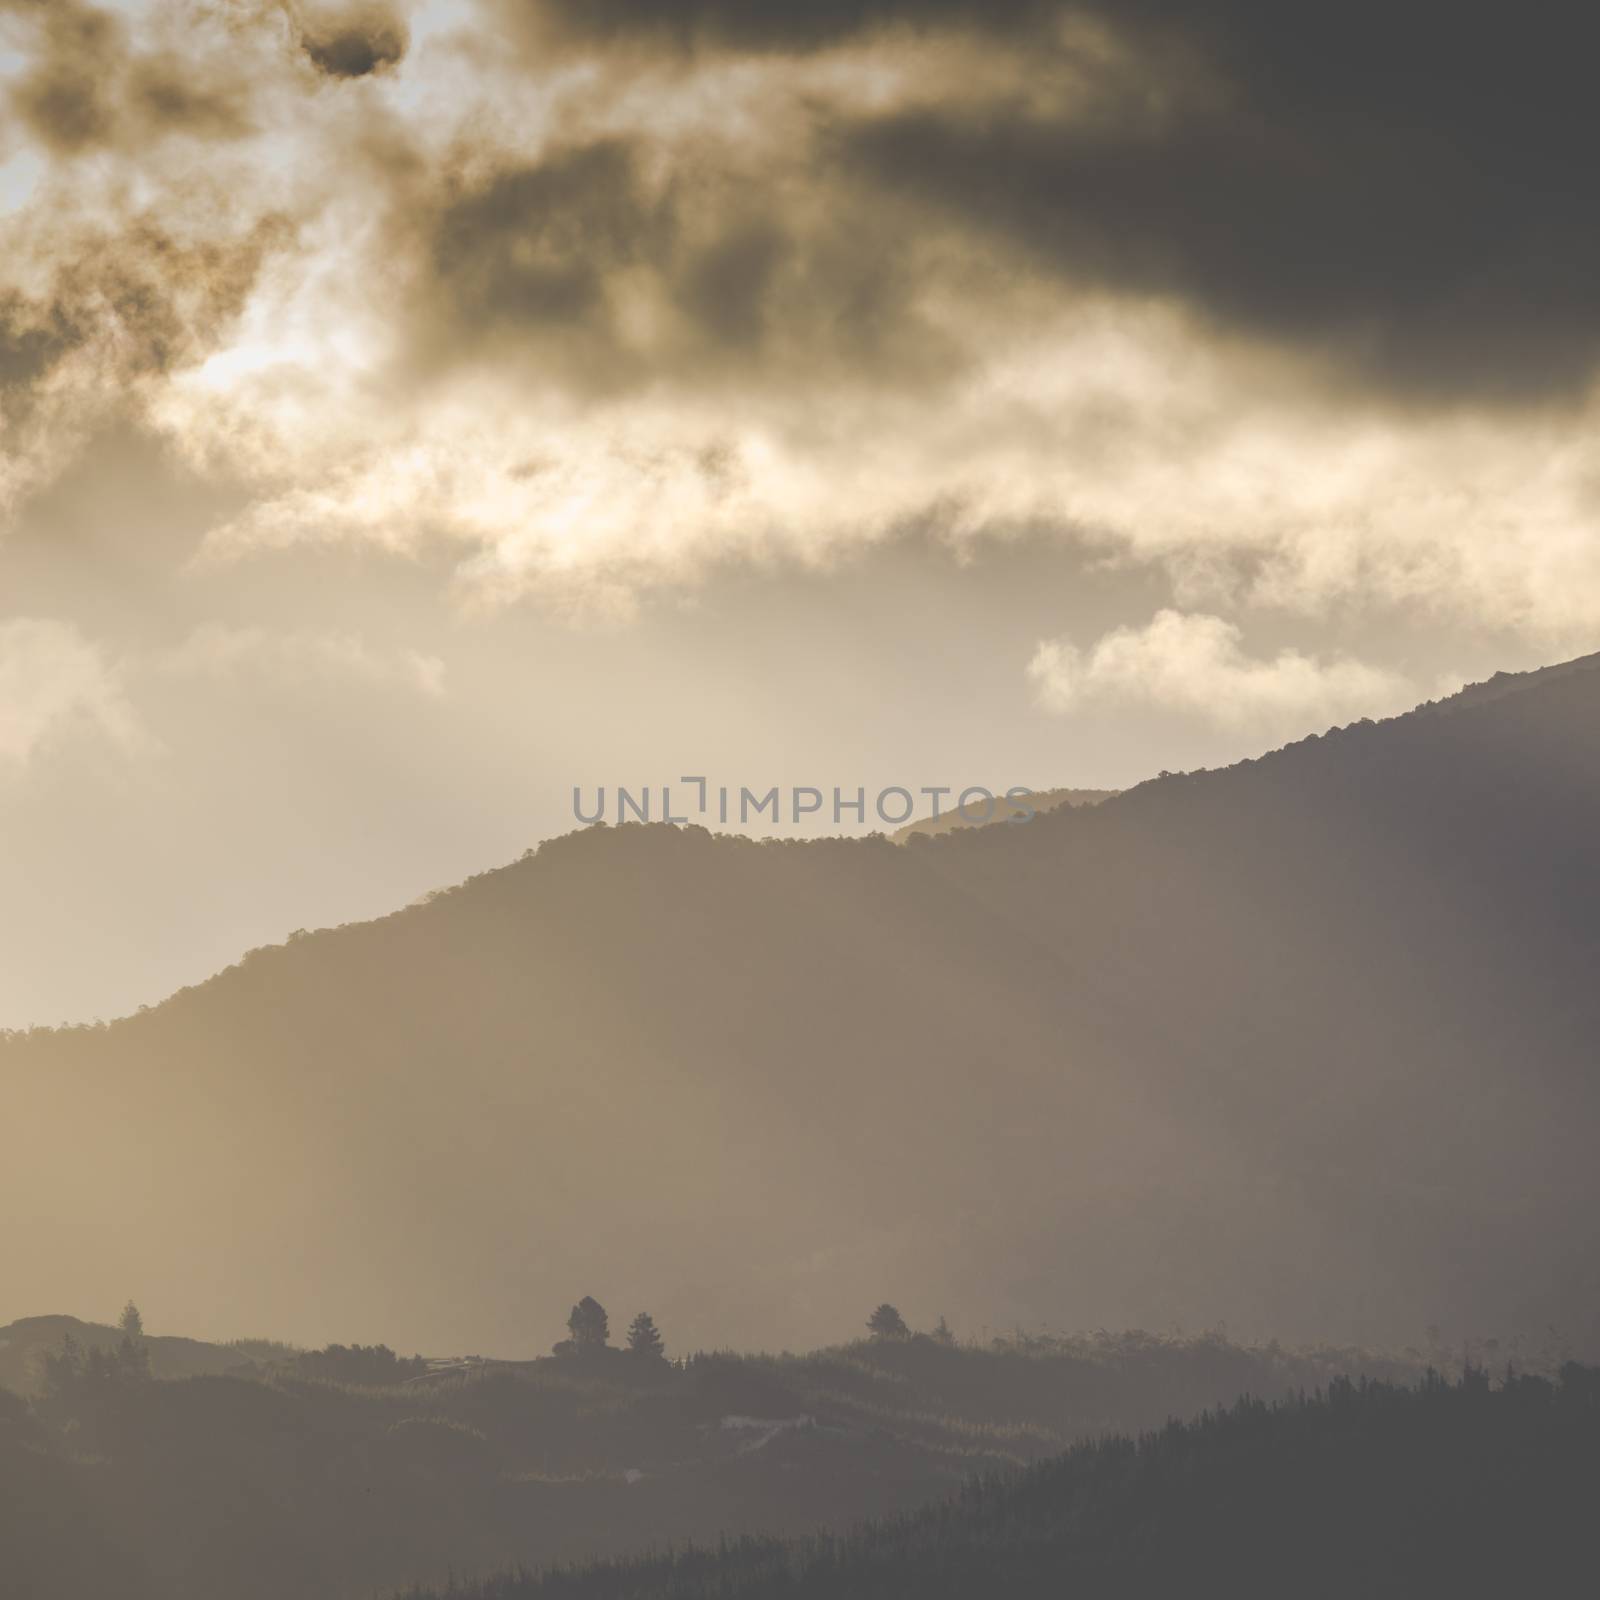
(25, 1343)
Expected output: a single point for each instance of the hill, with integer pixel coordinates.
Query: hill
(1459, 1490)
(1304, 1045)
(333, 1474)
(1034, 803)
(25, 1343)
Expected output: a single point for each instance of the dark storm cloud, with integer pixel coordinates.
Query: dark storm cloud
(1406, 190)
(726, 289)
(759, 24)
(558, 254)
(354, 42)
(537, 243)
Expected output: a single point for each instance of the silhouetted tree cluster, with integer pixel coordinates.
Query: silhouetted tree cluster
(589, 1333)
(78, 1372)
(372, 1365)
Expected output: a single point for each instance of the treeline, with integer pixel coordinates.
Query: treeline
(367, 1365)
(1459, 1489)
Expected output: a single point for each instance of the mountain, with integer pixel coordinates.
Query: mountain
(1305, 1044)
(1461, 1490)
(1032, 803)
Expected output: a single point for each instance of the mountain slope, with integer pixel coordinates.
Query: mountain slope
(1305, 1044)
(1002, 809)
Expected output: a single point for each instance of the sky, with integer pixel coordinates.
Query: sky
(411, 412)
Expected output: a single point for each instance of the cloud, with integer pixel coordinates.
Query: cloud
(1196, 664)
(1338, 187)
(352, 39)
(759, 25)
(710, 283)
(63, 97)
(88, 85)
(53, 680)
(102, 313)
(1404, 195)
(56, 682)
(218, 650)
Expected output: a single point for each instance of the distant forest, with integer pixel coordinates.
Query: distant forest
(1444, 1490)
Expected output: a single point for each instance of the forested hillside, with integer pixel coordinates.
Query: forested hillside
(1305, 1046)
(1444, 1490)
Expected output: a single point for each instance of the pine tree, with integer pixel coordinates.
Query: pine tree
(644, 1338)
(887, 1323)
(63, 1369)
(133, 1358)
(130, 1322)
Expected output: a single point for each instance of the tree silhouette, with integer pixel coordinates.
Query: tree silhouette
(887, 1323)
(133, 1358)
(644, 1338)
(589, 1326)
(63, 1369)
(130, 1322)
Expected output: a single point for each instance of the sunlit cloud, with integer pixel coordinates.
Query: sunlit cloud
(603, 311)
(1198, 664)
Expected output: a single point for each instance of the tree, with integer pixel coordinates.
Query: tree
(887, 1323)
(130, 1322)
(589, 1326)
(942, 1334)
(63, 1369)
(133, 1358)
(644, 1338)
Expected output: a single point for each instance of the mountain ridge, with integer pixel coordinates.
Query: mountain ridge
(773, 1080)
